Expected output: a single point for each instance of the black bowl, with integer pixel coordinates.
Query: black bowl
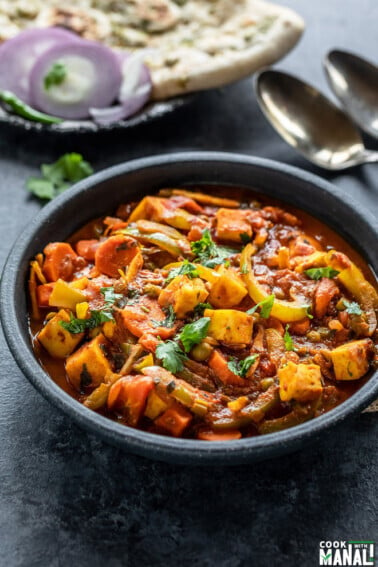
(101, 194)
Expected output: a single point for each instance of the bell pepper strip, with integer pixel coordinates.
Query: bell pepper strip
(64, 295)
(205, 199)
(174, 247)
(289, 420)
(265, 401)
(150, 227)
(354, 281)
(179, 389)
(286, 311)
(98, 398)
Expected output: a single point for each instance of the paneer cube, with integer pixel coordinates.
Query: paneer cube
(58, 342)
(228, 290)
(232, 223)
(87, 367)
(350, 361)
(300, 382)
(184, 294)
(230, 326)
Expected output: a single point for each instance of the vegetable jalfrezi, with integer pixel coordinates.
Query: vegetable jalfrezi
(204, 317)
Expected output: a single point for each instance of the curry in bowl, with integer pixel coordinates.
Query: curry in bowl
(199, 316)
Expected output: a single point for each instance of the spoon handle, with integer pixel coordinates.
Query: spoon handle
(369, 156)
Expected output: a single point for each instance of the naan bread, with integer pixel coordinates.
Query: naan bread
(189, 45)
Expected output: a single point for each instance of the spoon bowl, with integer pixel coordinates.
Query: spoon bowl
(309, 122)
(355, 82)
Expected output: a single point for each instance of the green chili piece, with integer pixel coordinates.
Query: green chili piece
(27, 111)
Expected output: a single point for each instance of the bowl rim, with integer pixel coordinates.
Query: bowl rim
(152, 445)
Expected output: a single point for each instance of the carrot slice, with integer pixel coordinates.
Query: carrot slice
(144, 318)
(115, 254)
(59, 261)
(130, 393)
(325, 291)
(210, 435)
(87, 248)
(219, 364)
(43, 293)
(174, 420)
(300, 327)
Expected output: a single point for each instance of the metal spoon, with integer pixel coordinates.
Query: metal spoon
(309, 122)
(355, 82)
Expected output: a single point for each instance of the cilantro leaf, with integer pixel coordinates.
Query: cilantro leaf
(289, 343)
(200, 308)
(245, 238)
(110, 296)
(265, 305)
(318, 273)
(208, 253)
(241, 367)
(75, 325)
(186, 269)
(193, 333)
(169, 321)
(55, 76)
(244, 269)
(353, 308)
(59, 176)
(171, 356)
(42, 188)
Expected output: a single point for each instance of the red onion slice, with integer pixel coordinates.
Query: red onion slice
(122, 111)
(19, 54)
(92, 79)
(135, 91)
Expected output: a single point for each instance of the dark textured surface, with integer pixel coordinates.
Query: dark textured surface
(69, 499)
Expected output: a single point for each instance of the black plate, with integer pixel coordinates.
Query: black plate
(100, 194)
(152, 111)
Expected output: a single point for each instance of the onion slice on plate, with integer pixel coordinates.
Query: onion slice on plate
(19, 54)
(69, 79)
(135, 91)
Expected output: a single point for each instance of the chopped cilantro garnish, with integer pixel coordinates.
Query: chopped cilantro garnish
(171, 356)
(265, 307)
(55, 76)
(353, 308)
(169, 321)
(110, 296)
(289, 343)
(76, 325)
(193, 333)
(59, 176)
(245, 238)
(244, 269)
(241, 367)
(200, 308)
(186, 269)
(318, 273)
(208, 253)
